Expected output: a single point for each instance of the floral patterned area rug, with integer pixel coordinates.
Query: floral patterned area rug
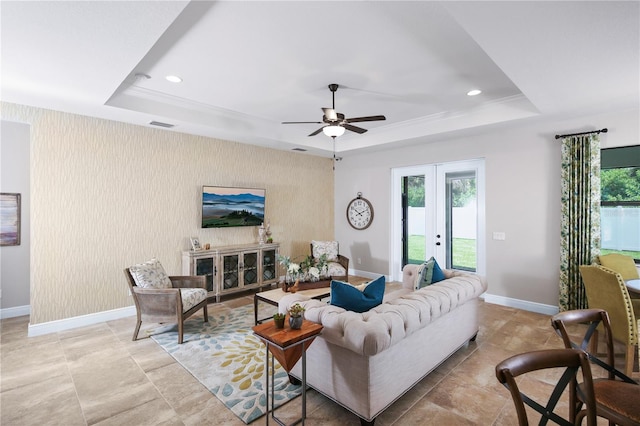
(228, 359)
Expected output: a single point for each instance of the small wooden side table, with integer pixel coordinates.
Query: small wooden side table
(287, 346)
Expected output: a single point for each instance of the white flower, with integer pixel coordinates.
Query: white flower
(314, 272)
(293, 268)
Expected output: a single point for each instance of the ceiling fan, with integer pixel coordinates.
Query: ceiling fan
(336, 123)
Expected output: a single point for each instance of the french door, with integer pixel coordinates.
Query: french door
(438, 210)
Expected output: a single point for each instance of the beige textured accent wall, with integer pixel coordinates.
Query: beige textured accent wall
(105, 195)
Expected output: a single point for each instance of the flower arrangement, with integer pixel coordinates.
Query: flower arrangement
(309, 269)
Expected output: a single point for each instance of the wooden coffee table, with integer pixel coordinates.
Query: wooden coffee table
(272, 297)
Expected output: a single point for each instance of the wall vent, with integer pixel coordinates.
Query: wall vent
(161, 124)
(299, 149)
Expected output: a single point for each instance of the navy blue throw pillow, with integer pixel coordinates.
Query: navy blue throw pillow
(350, 298)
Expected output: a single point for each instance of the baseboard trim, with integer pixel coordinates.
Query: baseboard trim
(16, 311)
(79, 321)
(521, 304)
(365, 274)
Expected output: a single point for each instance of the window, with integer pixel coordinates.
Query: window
(620, 201)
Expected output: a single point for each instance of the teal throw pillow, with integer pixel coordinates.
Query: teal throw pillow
(428, 273)
(348, 297)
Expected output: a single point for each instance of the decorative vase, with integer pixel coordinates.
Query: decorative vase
(295, 322)
(279, 322)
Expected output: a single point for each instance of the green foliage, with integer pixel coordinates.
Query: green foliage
(621, 184)
(463, 190)
(296, 310)
(415, 191)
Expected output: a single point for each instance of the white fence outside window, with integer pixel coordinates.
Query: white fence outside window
(464, 221)
(620, 228)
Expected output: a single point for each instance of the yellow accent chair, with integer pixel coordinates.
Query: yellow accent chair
(624, 265)
(606, 290)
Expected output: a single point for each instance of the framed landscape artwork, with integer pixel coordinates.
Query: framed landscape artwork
(224, 207)
(9, 219)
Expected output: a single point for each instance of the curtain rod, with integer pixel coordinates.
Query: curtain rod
(605, 130)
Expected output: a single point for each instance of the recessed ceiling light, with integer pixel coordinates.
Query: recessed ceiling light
(174, 79)
(474, 92)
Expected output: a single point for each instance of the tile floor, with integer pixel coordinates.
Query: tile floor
(98, 375)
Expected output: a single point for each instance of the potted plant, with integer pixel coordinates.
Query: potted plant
(296, 317)
(278, 319)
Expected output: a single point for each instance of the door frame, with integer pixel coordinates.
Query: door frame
(434, 190)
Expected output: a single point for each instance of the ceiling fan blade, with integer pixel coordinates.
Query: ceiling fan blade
(330, 114)
(302, 122)
(317, 131)
(370, 118)
(353, 128)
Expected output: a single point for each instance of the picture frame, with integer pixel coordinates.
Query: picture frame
(10, 219)
(195, 244)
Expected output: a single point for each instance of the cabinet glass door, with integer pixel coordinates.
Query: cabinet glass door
(230, 268)
(250, 268)
(205, 267)
(268, 265)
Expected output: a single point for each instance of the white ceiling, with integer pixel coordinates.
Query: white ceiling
(248, 66)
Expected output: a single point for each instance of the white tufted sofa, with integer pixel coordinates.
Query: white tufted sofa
(365, 361)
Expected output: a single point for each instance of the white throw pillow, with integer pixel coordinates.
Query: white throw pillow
(330, 248)
(150, 274)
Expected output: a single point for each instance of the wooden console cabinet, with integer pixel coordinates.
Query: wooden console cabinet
(233, 268)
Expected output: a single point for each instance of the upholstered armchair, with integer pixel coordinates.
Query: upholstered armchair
(338, 265)
(160, 298)
(606, 290)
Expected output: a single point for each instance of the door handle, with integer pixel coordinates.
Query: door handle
(438, 243)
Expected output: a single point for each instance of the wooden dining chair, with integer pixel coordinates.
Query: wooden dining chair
(617, 396)
(570, 362)
(606, 290)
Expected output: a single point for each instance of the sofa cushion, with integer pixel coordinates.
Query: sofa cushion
(330, 248)
(334, 269)
(150, 274)
(428, 273)
(353, 299)
(191, 297)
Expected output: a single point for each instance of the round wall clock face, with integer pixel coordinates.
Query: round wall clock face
(360, 213)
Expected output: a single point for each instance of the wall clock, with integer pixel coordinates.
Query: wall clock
(360, 212)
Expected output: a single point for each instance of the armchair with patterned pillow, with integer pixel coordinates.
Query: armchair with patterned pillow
(338, 265)
(160, 298)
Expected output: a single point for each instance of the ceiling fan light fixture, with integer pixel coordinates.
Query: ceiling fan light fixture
(333, 130)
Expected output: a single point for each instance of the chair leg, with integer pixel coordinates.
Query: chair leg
(180, 330)
(135, 332)
(206, 315)
(629, 357)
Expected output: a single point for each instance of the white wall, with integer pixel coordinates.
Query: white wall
(522, 197)
(14, 177)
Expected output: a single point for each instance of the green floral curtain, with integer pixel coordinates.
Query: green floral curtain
(580, 224)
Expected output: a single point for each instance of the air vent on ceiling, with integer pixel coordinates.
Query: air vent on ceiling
(161, 124)
(299, 149)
